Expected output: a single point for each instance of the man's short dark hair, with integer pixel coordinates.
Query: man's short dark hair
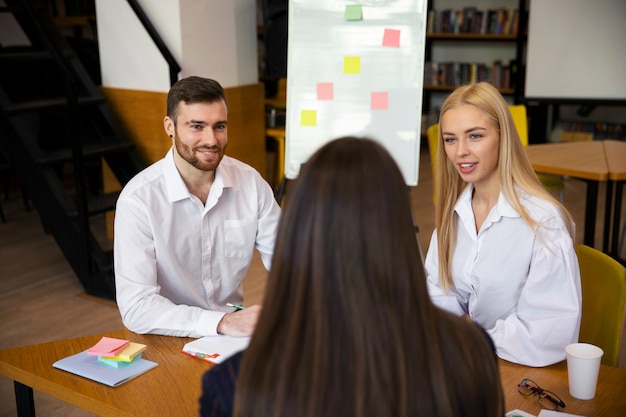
(193, 89)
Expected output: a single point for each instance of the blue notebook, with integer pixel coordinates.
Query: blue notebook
(89, 366)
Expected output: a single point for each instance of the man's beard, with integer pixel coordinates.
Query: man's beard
(188, 153)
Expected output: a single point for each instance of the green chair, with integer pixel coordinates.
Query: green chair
(603, 282)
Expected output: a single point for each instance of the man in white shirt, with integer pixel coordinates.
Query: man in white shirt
(186, 226)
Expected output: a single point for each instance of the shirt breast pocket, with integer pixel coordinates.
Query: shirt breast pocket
(239, 238)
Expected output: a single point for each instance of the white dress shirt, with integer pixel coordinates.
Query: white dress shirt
(178, 261)
(523, 288)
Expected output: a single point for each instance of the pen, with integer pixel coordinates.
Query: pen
(238, 307)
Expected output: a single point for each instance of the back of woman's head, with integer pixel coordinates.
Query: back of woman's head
(346, 246)
(347, 228)
(347, 326)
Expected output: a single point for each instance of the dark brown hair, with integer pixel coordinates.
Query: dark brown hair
(347, 327)
(193, 90)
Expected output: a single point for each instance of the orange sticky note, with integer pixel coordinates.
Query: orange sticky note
(308, 118)
(380, 100)
(391, 38)
(352, 65)
(325, 91)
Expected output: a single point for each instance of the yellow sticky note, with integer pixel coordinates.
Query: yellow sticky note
(353, 12)
(128, 354)
(308, 118)
(352, 65)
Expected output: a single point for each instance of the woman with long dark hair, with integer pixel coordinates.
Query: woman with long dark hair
(347, 327)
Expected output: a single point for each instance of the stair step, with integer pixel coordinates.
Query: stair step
(95, 149)
(7, 9)
(14, 108)
(25, 56)
(99, 204)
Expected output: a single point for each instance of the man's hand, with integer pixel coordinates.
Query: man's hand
(239, 323)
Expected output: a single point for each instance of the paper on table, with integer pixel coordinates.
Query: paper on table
(215, 349)
(549, 413)
(88, 366)
(518, 413)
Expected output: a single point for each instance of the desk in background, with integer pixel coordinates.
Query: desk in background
(582, 160)
(593, 162)
(173, 388)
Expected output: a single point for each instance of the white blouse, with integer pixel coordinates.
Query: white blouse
(522, 287)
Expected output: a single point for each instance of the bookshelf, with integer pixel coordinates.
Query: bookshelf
(473, 40)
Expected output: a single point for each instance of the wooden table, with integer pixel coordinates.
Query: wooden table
(582, 160)
(610, 399)
(173, 388)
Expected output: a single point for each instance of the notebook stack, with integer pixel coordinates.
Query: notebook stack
(116, 352)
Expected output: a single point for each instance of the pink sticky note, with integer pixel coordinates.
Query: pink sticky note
(391, 38)
(324, 91)
(380, 100)
(108, 346)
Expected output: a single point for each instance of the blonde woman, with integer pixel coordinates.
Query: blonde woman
(502, 252)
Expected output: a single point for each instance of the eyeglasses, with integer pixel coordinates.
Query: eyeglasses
(547, 399)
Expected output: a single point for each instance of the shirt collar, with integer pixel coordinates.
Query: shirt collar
(502, 208)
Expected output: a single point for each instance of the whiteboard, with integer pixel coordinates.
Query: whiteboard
(355, 68)
(576, 50)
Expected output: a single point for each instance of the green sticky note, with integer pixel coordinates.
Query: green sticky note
(352, 65)
(308, 118)
(353, 12)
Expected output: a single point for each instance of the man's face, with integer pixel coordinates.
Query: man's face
(200, 134)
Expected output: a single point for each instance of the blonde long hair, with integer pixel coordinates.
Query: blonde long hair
(515, 171)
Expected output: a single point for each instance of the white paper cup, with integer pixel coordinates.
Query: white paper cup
(583, 364)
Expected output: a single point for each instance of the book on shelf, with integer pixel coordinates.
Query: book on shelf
(460, 73)
(577, 130)
(471, 20)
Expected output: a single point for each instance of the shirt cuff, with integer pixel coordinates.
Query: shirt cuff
(207, 323)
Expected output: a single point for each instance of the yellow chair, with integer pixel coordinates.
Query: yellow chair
(550, 182)
(603, 282)
(518, 111)
(431, 133)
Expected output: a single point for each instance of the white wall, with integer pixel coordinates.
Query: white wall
(211, 38)
(219, 40)
(576, 49)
